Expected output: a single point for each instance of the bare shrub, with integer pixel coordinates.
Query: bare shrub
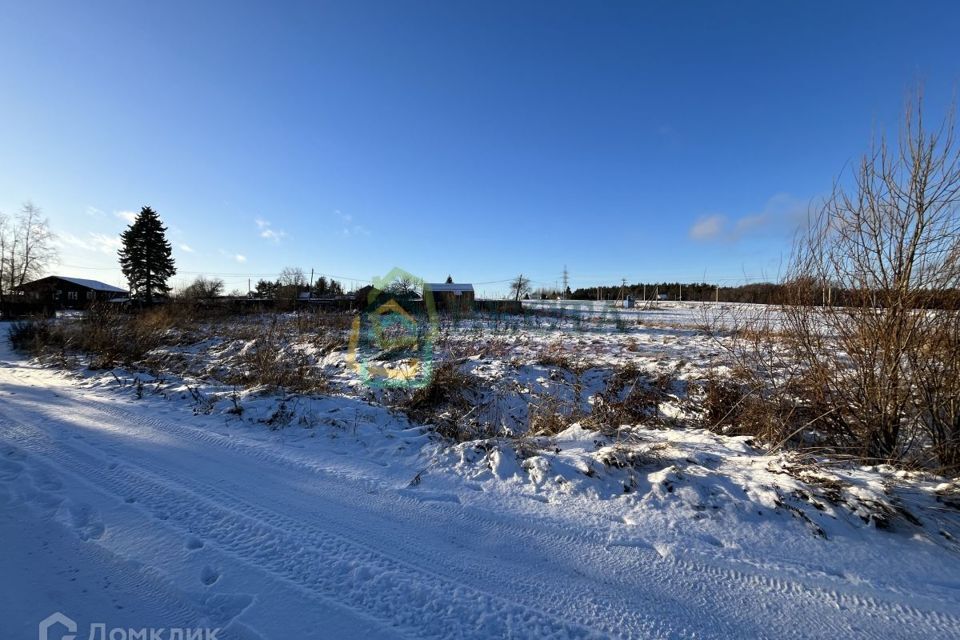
(30, 335)
(548, 415)
(746, 405)
(554, 356)
(108, 336)
(764, 394)
(631, 456)
(873, 299)
(272, 362)
(631, 398)
(937, 402)
(445, 402)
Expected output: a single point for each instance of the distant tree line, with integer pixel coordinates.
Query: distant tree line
(793, 291)
(759, 292)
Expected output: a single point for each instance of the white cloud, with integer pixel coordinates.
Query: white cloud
(105, 243)
(237, 257)
(185, 247)
(781, 215)
(271, 234)
(93, 212)
(98, 242)
(708, 227)
(350, 229)
(356, 230)
(268, 232)
(126, 216)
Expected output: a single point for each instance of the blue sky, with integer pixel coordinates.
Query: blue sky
(673, 140)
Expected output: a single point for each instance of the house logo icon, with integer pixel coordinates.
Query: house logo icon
(390, 345)
(52, 621)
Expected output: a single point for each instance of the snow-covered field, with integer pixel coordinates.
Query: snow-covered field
(657, 312)
(175, 499)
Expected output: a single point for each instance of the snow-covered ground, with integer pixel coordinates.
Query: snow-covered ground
(658, 312)
(159, 505)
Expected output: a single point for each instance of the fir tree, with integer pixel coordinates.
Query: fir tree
(145, 257)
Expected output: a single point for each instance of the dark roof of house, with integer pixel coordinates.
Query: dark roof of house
(96, 285)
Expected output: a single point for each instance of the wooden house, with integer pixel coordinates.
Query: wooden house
(450, 296)
(62, 292)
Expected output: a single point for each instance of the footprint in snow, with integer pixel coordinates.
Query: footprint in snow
(10, 470)
(209, 575)
(712, 540)
(193, 543)
(46, 482)
(222, 608)
(87, 523)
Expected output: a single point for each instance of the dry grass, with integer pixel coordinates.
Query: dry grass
(446, 403)
(548, 416)
(109, 337)
(631, 398)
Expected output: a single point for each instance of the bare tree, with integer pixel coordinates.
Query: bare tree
(520, 287)
(203, 288)
(405, 286)
(292, 277)
(26, 247)
(881, 349)
(292, 281)
(5, 241)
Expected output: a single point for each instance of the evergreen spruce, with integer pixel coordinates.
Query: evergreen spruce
(145, 257)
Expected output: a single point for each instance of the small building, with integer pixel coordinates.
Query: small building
(63, 292)
(450, 296)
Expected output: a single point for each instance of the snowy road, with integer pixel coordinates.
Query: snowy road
(119, 512)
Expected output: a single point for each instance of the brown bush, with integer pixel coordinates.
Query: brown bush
(861, 283)
(445, 402)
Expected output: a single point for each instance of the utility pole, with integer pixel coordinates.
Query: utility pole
(310, 284)
(566, 283)
(718, 294)
(680, 297)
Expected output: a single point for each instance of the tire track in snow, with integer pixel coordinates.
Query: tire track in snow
(698, 580)
(35, 487)
(619, 611)
(691, 575)
(411, 599)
